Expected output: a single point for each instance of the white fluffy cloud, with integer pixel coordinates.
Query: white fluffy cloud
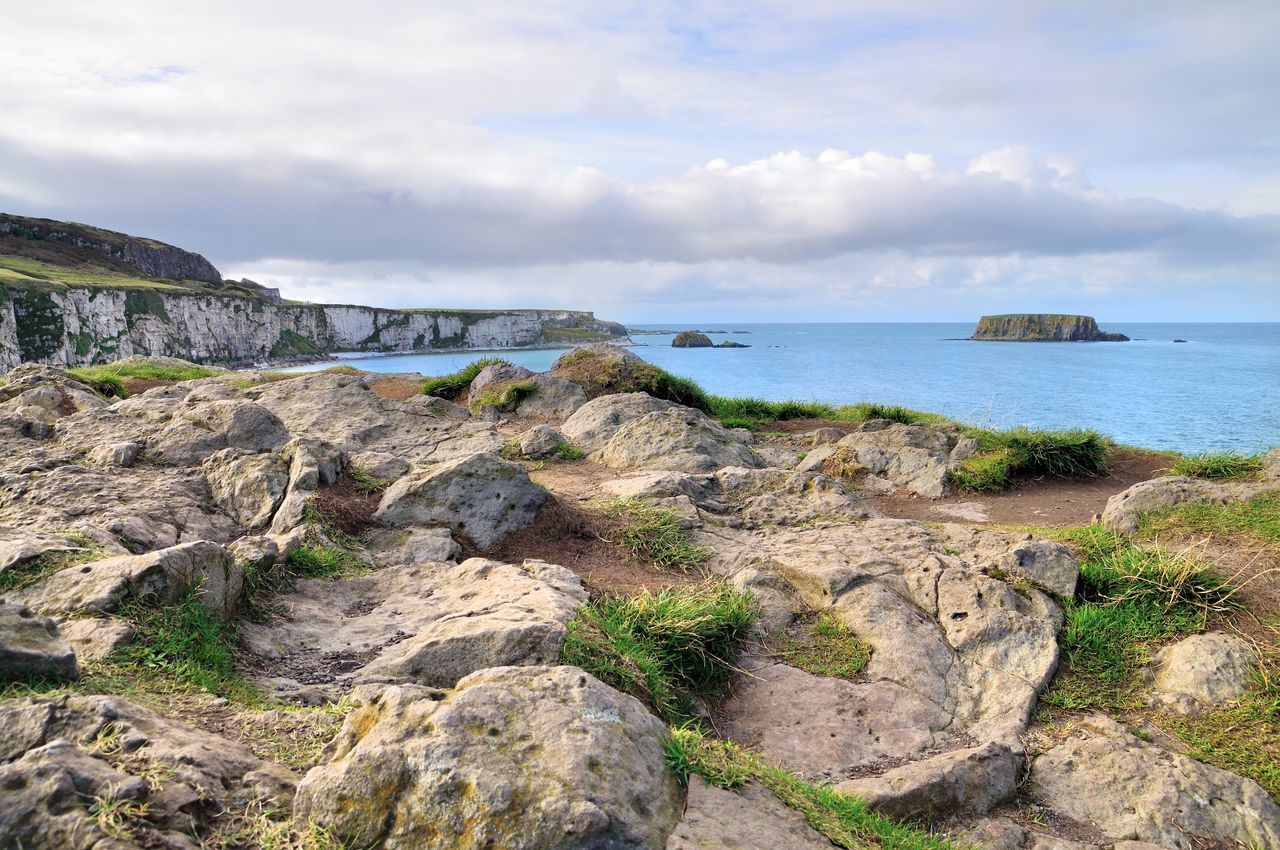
(413, 153)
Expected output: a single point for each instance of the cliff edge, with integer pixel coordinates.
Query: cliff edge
(72, 294)
(1043, 327)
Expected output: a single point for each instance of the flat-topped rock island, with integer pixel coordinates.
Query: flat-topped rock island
(1042, 327)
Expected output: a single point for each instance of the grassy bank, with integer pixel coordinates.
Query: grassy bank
(108, 379)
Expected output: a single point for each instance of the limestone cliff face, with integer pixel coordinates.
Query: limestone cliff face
(1043, 327)
(89, 325)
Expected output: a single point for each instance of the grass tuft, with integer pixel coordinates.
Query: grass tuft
(845, 820)
(185, 642)
(752, 413)
(1130, 599)
(1004, 456)
(663, 648)
(1217, 466)
(28, 573)
(825, 647)
(1258, 518)
(655, 534)
(452, 386)
(504, 395)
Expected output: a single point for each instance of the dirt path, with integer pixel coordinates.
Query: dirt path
(1050, 502)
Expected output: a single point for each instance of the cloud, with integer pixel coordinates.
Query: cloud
(390, 156)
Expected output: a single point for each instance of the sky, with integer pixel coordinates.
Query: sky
(806, 160)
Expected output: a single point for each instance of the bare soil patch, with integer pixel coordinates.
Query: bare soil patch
(585, 542)
(347, 507)
(1049, 501)
(141, 385)
(400, 389)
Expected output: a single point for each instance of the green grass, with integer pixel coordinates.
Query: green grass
(825, 648)
(329, 562)
(754, 413)
(654, 534)
(452, 386)
(1257, 518)
(505, 395)
(185, 642)
(1217, 466)
(1005, 456)
(24, 272)
(23, 575)
(663, 648)
(1131, 598)
(845, 820)
(365, 481)
(106, 379)
(567, 451)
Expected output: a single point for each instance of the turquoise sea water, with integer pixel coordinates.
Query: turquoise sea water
(1220, 390)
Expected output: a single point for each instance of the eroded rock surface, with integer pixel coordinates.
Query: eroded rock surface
(425, 623)
(480, 496)
(59, 756)
(543, 757)
(1134, 790)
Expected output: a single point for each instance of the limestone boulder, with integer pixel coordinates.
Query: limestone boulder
(553, 398)
(59, 755)
(312, 464)
(1124, 509)
(387, 467)
(197, 431)
(94, 638)
(101, 587)
(480, 496)
(1046, 564)
(970, 779)
(679, 438)
(249, 487)
(30, 646)
(412, 545)
(428, 624)
(497, 373)
(1202, 671)
(540, 441)
(592, 426)
(912, 457)
(514, 757)
(1134, 790)
(745, 818)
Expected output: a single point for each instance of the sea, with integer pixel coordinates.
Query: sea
(1217, 391)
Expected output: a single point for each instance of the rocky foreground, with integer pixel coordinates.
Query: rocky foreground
(460, 728)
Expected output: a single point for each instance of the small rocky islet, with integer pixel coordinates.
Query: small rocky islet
(399, 672)
(1042, 327)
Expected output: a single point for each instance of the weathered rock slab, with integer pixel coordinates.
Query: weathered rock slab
(30, 645)
(426, 623)
(745, 818)
(480, 496)
(515, 757)
(1133, 790)
(101, 587)
(1203, 670)
(679, 438)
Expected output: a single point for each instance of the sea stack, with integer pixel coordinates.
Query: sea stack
(691, 339)
(1043, 327)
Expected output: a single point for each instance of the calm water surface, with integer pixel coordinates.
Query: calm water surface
(1219, 390)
